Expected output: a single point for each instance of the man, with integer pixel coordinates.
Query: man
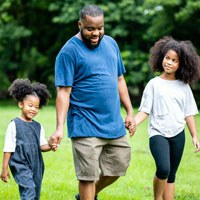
(89, 77)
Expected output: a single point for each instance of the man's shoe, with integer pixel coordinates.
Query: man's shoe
(78, 197)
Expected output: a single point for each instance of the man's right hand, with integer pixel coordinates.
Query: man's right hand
(55, 139)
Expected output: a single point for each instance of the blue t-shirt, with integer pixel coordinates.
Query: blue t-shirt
(94, 109)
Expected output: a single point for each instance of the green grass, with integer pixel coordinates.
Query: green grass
(59, 182)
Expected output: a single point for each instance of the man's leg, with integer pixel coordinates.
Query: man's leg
(87, 190)
(114, 161)
(86, 152)
(104, 181)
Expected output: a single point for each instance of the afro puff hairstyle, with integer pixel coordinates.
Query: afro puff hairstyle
(189, 66)
(22, 87)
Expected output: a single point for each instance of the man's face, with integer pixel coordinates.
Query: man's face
(92, 30)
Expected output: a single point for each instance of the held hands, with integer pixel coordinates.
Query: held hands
(196, 144)
(4, 175)
(130, 124)
(55, 139)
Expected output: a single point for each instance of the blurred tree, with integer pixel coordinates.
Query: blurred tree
(26, 45)
(32, 32)
(177, 18)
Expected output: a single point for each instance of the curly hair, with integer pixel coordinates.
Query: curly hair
(189, 66)
(90, 10)
(22, 87)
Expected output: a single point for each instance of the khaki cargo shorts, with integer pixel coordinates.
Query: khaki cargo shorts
(92, 154)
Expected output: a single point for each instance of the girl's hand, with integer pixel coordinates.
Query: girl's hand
(131, 128)
(4, 175)
(196, 144)
(46, 147)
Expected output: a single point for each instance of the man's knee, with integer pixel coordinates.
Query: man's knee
(109, 179)
(86, 182)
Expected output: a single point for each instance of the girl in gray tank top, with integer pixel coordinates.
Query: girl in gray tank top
(169, 102)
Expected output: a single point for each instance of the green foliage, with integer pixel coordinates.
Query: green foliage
(32, 33)
(25, 45)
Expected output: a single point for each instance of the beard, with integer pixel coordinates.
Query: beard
(88, 42)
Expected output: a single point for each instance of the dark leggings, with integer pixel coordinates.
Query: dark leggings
(167, 153)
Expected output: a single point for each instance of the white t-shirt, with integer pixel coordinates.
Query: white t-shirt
(167, 102)
(10, 138)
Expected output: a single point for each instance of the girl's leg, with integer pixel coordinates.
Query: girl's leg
(176, 151)
(169, 191)
(24, 179)
(159, 147)
(159, 186)
(27, 193)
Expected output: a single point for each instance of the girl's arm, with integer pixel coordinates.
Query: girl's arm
(193, 131)
(45, 148)
(5, 172)
(140, 117)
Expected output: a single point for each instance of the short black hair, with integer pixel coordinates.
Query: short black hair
(22, 87)
(189, 66)
(90, 10)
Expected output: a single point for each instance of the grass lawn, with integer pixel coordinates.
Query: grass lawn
(59, 182)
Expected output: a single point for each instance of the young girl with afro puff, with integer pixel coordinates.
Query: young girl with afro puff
(169, 102)
(25, 139)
